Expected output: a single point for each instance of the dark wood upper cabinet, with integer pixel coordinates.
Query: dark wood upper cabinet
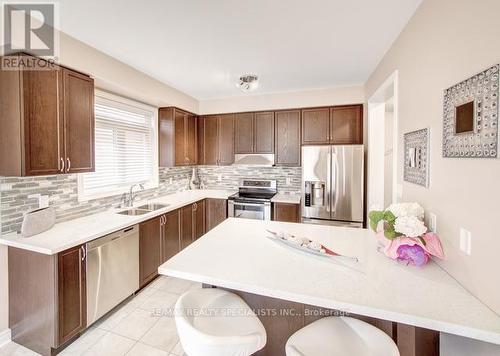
(149, 250)
(43, 124)
(215, 211)
(200, 140)
(254, 133)
(198, 219)
(178, 144)
(166, 138)
(191, 144)
(226, 139)
(208, 140)
(180, 137)
(287, 138)
(72, 294)
(316, 126)
(171, 232)
(244, 133)
(46, 121)
(78, 122)
(218, 139)
(264, 132)
(346, 126)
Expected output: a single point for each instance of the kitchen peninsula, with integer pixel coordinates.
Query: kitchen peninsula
(412, 305)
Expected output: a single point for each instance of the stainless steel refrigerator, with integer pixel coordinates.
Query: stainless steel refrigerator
(333, 185)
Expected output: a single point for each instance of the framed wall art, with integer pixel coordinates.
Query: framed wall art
(470, 117)
(416, 156)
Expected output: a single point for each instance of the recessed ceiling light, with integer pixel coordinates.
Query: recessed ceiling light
(248, 82)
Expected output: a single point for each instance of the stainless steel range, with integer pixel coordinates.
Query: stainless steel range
(253, 200)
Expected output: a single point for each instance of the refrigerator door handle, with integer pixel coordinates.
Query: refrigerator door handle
(328, 180)
(335, 175)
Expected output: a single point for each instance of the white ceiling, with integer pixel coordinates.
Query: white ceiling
(201, 47)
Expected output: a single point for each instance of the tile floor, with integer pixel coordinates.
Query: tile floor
(132, 329)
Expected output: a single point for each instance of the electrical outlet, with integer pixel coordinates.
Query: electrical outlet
(465, 241)
(219, 177)
(432, 222)
(288, 181)
(43, 201)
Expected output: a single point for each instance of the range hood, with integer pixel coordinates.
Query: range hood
(254, 159)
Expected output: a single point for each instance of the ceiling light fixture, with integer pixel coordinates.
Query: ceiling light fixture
(248, 82)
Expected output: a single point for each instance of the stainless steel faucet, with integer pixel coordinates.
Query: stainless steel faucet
(127, 200)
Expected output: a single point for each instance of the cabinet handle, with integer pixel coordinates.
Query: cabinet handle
(195, 206)
(84, 252)
(62, 165)
(69, 164)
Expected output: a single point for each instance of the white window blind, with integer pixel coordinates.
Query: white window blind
(125, 147)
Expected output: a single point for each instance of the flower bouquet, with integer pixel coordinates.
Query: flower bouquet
(403, 234)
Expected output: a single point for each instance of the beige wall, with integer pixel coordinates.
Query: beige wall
(444, 43)
(118, 77)
(334, 96)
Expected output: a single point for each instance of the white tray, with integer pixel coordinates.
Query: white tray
(284, 241)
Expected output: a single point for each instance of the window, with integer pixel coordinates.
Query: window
(126, 148)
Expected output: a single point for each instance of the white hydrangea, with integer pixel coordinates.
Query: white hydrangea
(410, 226)
(407, 209)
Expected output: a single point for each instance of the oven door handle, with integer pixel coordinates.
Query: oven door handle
(250, 204)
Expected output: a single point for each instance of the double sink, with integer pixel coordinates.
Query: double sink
(143, 209)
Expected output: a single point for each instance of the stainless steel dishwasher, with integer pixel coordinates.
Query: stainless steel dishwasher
(112, 271)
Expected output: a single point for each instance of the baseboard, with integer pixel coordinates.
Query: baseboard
(4, 337)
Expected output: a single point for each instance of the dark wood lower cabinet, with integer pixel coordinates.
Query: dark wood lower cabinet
(47, 297)
(216, 212)
(186, 226)
(72, 293)
(192, 222)
(198, 219)
(171, 232)
(286, 212)
(160, 239)
(149, 250)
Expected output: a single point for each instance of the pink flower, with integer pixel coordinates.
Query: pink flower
(414, 255)
(433, 245)
(391, 250)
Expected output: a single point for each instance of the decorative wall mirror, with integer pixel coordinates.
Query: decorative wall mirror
(465, 118)
(470, 122)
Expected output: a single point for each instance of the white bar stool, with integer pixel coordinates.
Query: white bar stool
(340, 336)
(214, 322)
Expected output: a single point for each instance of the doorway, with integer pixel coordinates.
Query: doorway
(383, 145)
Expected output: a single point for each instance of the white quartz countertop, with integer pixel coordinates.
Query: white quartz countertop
(286, 198)
(74, 232)
(237, 255)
